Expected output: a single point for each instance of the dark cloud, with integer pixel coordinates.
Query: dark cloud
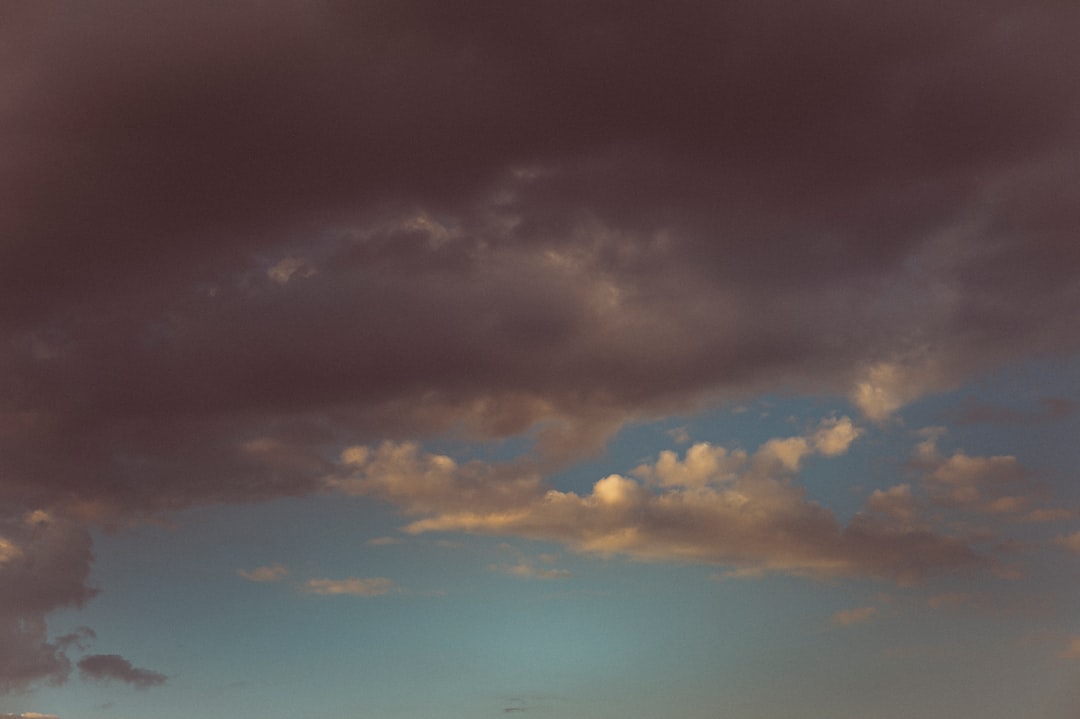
(972, 411)
(44, 565)
(504, 215)
(113, 667)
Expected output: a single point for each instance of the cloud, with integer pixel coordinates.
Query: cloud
(369, 587)
(206, 319)
(1071, 650)
(269, 573)
(46, 567)
(1050, 514)
(1049, 409)
(885, 387)
(382, 541)
(28, 715)
(847, 617)
(113, 667)
(747, 513)
(897, 503)
(1070, 542)
(990, 485)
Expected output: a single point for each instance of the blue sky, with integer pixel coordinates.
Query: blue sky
(404, 359)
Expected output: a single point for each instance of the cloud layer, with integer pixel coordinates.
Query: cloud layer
(235, 235)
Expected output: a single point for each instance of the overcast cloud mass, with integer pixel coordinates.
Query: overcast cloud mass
(261, 250)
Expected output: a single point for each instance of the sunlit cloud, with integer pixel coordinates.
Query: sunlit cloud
(711, 506)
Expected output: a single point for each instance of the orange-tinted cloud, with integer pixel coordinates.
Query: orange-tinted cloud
(712, 506)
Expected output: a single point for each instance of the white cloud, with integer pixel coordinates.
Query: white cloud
(984, 484)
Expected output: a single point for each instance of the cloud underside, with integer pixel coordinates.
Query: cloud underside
(256, 244)
(714, 506)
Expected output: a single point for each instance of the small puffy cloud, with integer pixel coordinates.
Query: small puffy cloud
(269, 573)
(113, 667)
(847, 617)
(834, 436)
(962, 480)
(702, 464)
(356, 587)
(1070, 542)
(986, 484)
(885, 387)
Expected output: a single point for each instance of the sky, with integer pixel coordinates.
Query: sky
(409, 359)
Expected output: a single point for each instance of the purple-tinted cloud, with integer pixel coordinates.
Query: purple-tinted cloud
(223, 254)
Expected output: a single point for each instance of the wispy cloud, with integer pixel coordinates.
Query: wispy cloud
(530, 571)
(1070, 542)
(269, 573)
(367, 587)
(847, 617)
